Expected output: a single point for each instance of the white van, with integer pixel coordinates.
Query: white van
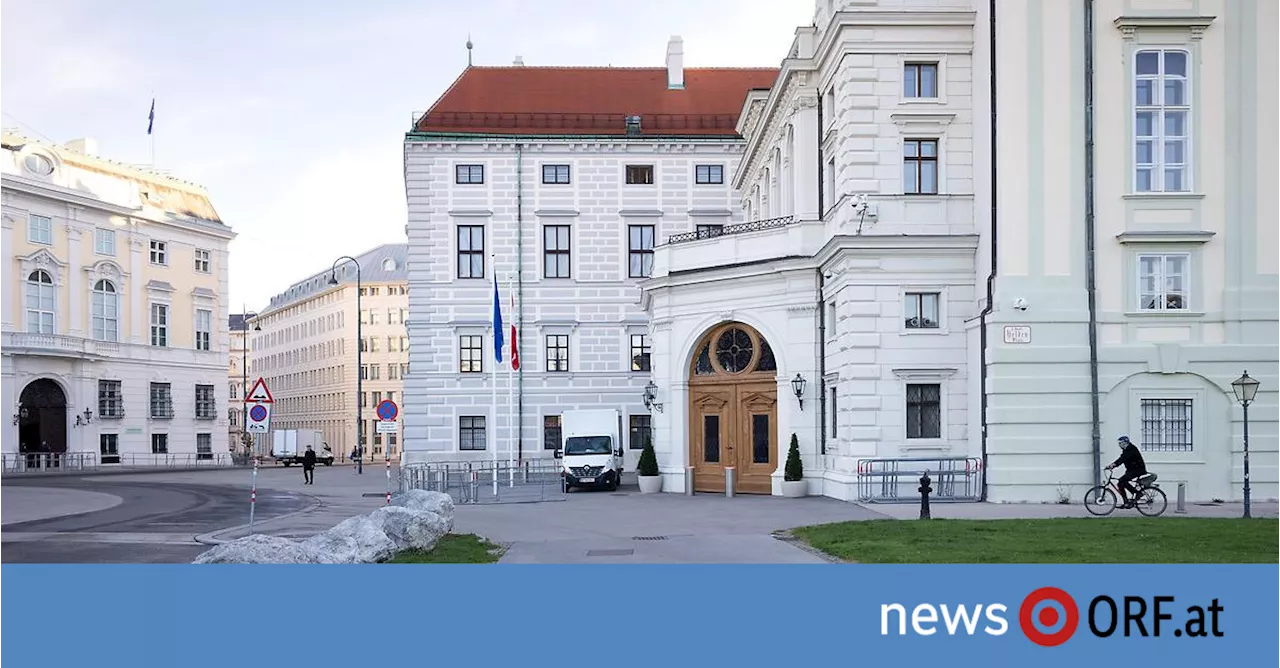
(592, 454)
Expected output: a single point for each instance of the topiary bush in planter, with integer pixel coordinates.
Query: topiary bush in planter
(793, 482)
(650, 480)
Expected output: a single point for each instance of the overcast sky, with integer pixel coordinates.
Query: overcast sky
(293, 113)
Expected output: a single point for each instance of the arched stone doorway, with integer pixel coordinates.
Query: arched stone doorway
(42, 420)
(733, 410)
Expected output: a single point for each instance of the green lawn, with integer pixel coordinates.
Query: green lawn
(1163, 540)
(453, 549)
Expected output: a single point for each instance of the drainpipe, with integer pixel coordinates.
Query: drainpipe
(1090, 267)
(520, 292)
(991, 275)
(822, 365)
(822, 178)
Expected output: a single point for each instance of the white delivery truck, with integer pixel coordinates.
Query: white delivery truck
(288, 446)
(592, 454)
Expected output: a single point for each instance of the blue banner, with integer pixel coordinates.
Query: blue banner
(486, 615)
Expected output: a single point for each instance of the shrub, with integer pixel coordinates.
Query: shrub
(795, 468)
(648, 460)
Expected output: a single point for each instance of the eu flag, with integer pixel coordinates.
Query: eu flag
(497, 324)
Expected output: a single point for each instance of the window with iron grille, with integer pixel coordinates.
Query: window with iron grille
(551, 432)
(640, 250)
(924, 410)
(640, 352)
(159, 444)
(557, 352)
(920, 166)
(640, 175)
(161, 401)
(921, 310)
(471, 433)
(470, 251)
(206, 404)
(709, 174)
(920, 80)
(471, 353)
(110, 399)
(470, 174)
(1166, 425)
(555, 174)
(555, 251)
(109, 448)
(640, 431)
(204, 446)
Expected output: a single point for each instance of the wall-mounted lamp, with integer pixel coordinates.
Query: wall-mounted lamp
(797, 386)
(651, 396)
(84, 418)
(20, 415)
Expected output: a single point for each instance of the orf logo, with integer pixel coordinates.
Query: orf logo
(1048, 616)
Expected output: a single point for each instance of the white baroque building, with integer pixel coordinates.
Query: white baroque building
(563, 198)
(115, 345)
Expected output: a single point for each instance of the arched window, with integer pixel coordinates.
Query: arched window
(733, 349)
(106, 311)
(42, 302)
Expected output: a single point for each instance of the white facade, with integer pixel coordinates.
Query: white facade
(115, 348)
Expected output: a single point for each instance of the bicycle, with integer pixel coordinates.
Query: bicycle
(1104, 499)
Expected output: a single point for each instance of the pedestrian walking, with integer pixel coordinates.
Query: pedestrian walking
(358, 456)
(309, 467)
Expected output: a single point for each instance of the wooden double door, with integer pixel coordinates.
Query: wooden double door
(734, 424)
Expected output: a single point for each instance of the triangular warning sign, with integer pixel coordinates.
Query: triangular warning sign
(259, 394)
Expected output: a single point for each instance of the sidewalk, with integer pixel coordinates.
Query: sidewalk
(1011, 511)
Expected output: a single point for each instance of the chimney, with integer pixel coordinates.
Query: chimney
(519, 61)
(85, 146)
(675, 63)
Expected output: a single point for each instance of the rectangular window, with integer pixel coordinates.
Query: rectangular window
(1161, 121)
(708, 231)
(159, 252)
(204, 329)
(204, 446)
(471, 434)
(920, 166)
(203, 261)
(206, 404)
(470, 251)
(555, 251)
(1162, 282)
(920, 310)
(104, 242)
(640, 250)
(708, 174)
(471, 353)
(640, 430)
(557, 352)
(924, 410)
(640, 352)
(110, 399)
(640, 175)
(1166, 425)
(920, 81)
(470, 174)
(109, 448)
(835, 415)
(161, 401)
(393, 372)
(159, 444)
(555, 174)
(40, 229)
(551, 433)
(159, 325)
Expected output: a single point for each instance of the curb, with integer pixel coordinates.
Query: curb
(211, 537)
(110, 472)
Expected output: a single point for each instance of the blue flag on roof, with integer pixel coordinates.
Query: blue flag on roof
(497, 323)
(151, 118)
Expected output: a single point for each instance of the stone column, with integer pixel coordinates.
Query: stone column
(75, 282)
(137, 314)
(805, 160)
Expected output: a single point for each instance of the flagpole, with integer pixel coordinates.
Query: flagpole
(151, 129)
(496, 362)
(511, 413)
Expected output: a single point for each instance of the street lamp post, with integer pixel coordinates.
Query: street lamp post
(1246, 389)
(333, 280)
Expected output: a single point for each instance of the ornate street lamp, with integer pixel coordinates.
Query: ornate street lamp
(797, 386)
(651, 396)
(1246, 389)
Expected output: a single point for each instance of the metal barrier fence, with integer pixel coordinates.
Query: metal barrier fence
(953, 479)
(487, 482)
(33, 462)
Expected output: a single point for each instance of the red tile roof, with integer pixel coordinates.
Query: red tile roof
(522, 100)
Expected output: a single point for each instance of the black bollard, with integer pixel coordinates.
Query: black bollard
(924, 497)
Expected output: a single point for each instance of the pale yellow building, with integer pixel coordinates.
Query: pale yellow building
(114, 340)
(239, 380)
(307, 351)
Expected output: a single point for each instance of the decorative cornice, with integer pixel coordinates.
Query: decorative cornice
(924, 374)
(470, 213)
(557, 213)
(1195, 25)
(640, 213)
(43, 259)
(1164, 237)
(930, 123)
(105, 269)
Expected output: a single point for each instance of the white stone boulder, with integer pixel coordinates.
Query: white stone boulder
(420, 499)
(409, 528)
(355, 540)
(260, 549)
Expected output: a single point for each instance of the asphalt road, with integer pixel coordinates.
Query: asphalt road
(156, 523)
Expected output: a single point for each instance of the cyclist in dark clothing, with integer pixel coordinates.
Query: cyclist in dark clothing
(1134, 467)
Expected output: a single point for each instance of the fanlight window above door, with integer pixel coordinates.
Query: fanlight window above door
(734, 349)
